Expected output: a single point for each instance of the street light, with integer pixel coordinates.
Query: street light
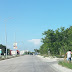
(6, 38)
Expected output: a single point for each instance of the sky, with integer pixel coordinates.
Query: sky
(28, 19)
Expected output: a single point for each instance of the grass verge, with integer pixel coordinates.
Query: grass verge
(65, 64)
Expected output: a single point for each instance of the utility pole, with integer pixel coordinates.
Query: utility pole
(6, 37)
(6, 40)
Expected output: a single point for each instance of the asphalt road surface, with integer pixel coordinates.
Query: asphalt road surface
(27, 63)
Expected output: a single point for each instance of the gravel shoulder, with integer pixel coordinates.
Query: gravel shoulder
(54, 63)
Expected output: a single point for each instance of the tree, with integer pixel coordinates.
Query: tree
(4, 49)
(58, 41)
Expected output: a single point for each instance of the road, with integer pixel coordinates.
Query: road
(27, 63)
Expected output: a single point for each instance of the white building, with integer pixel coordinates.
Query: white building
(13, 53)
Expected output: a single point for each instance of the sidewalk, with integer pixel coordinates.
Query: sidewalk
(55, 65)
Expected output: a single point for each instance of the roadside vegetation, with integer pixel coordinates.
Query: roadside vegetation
(56, 43)
(65, 64)
(4, 49)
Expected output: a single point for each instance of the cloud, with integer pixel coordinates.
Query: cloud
(35, 41)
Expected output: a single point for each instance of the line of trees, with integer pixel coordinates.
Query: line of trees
(58, 42)
(4, 49)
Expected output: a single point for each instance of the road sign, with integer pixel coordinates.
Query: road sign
(15, 45)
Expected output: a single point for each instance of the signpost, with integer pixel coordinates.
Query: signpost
(15, 45)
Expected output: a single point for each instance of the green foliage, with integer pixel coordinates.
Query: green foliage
(65, 64)
(4, 49)
(36, 50)
(58, 42)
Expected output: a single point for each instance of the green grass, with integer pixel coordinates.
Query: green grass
(65, 64)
